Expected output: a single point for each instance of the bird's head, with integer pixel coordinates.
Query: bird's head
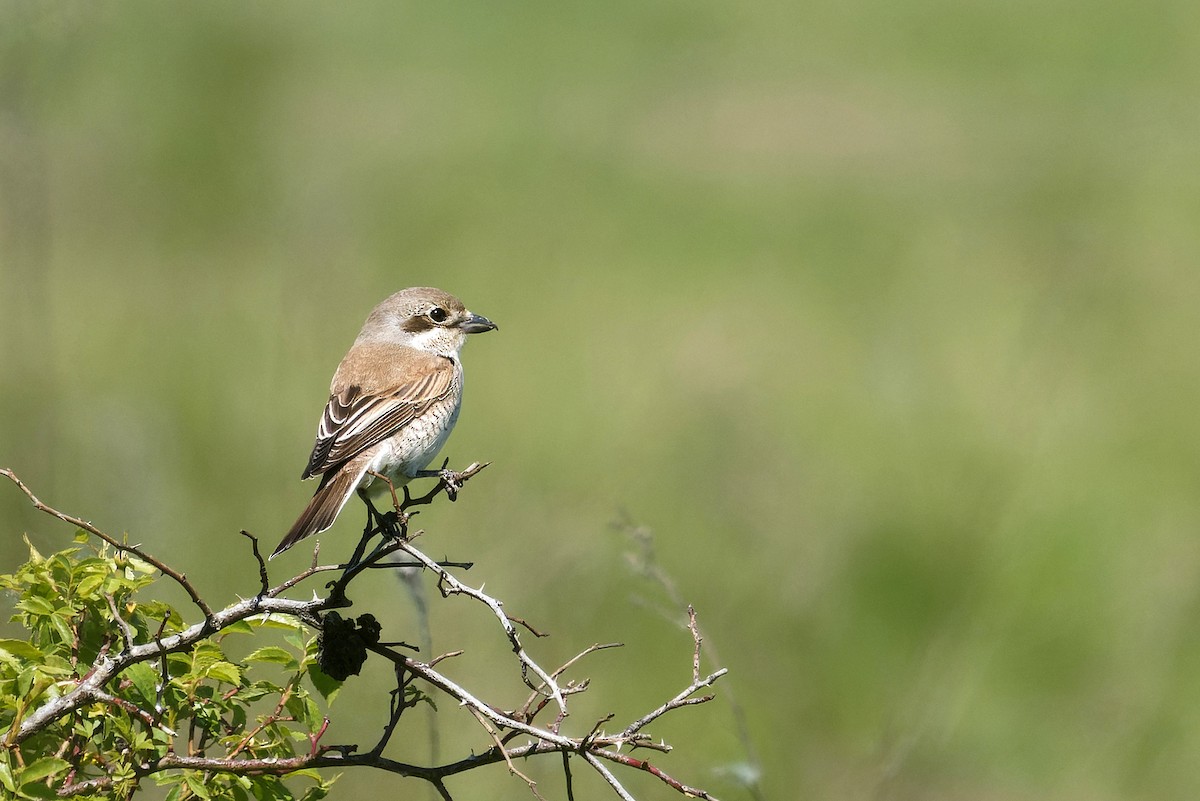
(424, 318)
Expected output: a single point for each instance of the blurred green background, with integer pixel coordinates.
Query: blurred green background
(881, 315)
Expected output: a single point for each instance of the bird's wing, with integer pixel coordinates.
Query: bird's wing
(357, 417)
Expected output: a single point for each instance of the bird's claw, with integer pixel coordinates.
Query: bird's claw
(453, 481)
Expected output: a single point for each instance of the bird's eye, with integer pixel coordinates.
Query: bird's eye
(438, 314)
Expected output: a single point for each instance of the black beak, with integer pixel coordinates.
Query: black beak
(477, 325)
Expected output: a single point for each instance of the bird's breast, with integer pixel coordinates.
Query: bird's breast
(411, 449)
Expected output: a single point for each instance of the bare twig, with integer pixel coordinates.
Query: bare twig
(177, 577)
(447, 655)
(566, 763)
(449, 585)
(620, 790)
(597, 748)
(164, 676)
(512, 769)
(596, 728)
(653, 770)
(312, 570)
(262, 565)
(392, 527)
(524, 712)
(275, 716)
(645, 561)
(129, 706)
(680, 700)
(696, 640)
(122, 623)
(449, 481)
(525, 624)
(392, 565)
(89, 786)
(398, 705)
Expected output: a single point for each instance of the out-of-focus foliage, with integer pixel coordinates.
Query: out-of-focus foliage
(880, 314)
(198, 700)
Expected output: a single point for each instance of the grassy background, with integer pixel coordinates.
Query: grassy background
(881, 315)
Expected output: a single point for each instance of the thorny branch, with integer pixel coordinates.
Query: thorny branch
(596, 748)
(449, 585)
(643, 560)
(136, 550)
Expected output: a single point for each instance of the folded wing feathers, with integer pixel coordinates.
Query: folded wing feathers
(336, 488)
(354, 421)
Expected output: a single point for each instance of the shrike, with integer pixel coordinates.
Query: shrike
(392, 404)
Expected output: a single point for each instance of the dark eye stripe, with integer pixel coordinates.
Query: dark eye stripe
(417, 324)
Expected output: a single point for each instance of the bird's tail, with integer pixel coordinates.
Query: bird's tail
(336, 488)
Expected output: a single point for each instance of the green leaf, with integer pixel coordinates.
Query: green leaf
(270, 788)
(6, 778)
(327, 687)
(89, 585)
(21, 649)
(60, 565)
(55, 665)
(139, 565)
(86, 728)
(34, 556)
(320, 790)
(298, 639)
(46, 766)
(275, 621)
(145, 679)
(35, 605)
(204, 655)
(163, 779)
(25, 680)
(37, 790)
(276, 655)
(239, 627)
(62, 626)
(224, 671)
(305, 711)
(308, 773)
(81, 535)
(258, 690)
(197, 786)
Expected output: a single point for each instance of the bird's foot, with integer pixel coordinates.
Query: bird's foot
(449, 481)
(453, 481)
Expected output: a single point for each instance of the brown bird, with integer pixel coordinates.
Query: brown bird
(392, 404)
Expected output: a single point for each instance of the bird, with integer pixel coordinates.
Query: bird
(393, 402)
